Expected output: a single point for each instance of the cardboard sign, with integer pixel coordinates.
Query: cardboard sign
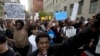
(74, 12)
(60, 15)
(14, 11)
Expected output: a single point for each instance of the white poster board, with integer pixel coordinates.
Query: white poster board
(74, 12)
(70, 32)
(14, 11)
(36, 17)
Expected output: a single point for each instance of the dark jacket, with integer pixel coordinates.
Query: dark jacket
(58, 38)
(70, 46)
(9, 53)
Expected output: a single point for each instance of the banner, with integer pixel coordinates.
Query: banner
(14, 11)
(74, 12)
(60, 15)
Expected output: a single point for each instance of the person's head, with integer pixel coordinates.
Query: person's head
(68, 22)
(43, 41)
(97, 21)
(19, 24)
(38, 23)
(81, 25)
(2, 41)
(33, 29)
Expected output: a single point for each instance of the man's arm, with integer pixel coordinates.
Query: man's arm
(77, 41)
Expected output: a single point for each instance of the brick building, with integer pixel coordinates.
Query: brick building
(37, 5)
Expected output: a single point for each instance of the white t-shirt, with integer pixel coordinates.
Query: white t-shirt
(69, 32)
(31, 40)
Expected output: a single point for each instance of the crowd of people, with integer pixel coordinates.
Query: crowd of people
(50, 37)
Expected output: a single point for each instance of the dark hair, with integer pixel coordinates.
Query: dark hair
(2, 38)
(42, 35)
(98, 16)
(32, 27)
(79, 24)
(20, 21)
(97, 21)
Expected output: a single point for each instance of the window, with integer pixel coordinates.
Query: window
(2, 0)
(65, 8)
(39, 0)
(53, 2)
(93, 6)
(71, 8)
(60, 10)
(56, 11)
(56, 1)
(80, 7)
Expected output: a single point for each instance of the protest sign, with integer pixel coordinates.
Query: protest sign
(74, 12)
(36, 17)
(60, 15)
(14, 11)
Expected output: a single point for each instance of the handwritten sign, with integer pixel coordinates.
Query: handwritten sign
(60, 15)
(14, 11)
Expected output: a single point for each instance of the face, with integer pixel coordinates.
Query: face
(68, 22)
(18, 26)
(38, 23)
(43, 44)
(57, 23)
(1, 46)
(35, 31)
(5, 24)
(83, 25)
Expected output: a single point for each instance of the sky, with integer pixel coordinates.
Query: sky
(25, 3)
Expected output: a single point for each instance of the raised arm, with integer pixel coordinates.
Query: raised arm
(81, 38)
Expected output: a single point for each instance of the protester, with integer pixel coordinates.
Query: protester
(69, 47)
(4, 50)
(56, 28)
(32, 37)
(20, 35)
(68, 30)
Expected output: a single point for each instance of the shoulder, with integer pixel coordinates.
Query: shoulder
(35, 53)
(32, 37)
(8, 53)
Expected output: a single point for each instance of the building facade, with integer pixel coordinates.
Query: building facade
(9, 1)
(30, 7)
(1, 9)
(37, 5)
(34, 6)
(87, 8)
